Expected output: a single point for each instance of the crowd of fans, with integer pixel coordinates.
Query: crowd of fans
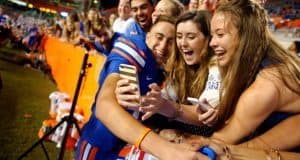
(201, 59)
(22, 30)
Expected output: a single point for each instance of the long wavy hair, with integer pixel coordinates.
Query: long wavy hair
(255, 43)
(71, 33)
(190, 80)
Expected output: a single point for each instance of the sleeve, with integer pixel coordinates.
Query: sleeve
(111, 66)
(131, 29)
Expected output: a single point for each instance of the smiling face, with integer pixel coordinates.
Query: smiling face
(190, 42)
(160, 40)
(163, 7)
(69, 24)
(92, 15)
(124, 9)
(104, 37)
(224, 38)
(193, 5)
(141, 11)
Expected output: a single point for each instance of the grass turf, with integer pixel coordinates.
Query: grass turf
(25, 91)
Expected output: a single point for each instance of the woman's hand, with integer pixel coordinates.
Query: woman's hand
(208, 117)
(152, 102)
(184, 151)
(127, 95)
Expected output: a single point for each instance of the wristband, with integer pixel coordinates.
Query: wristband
(140, 139)
(208, 152)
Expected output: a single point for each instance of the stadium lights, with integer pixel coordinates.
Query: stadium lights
(42, 9)
(64, 14)
(21, 3)
(30, 5)
(53, 11)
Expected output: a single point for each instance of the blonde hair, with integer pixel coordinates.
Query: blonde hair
(255, 44)
(177, 9)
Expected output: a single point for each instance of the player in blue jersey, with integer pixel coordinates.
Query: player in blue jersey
(141, 11)
(99, 142)
(144, 15)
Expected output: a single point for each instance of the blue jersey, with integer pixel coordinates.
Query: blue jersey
(33, 36)
(95, 136)
(134, 29)
(101, 49)
(3, 20)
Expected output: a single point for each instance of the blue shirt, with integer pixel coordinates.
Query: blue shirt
(3, 20)
(134, 29)
(101, 49)
(131, 50)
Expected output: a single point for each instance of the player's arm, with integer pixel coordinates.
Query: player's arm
(123, 125)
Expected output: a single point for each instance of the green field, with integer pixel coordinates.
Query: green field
(25, 91)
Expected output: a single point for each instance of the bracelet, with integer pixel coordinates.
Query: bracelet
(140, 139)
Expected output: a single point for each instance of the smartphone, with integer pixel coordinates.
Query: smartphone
(130, 72)
(196, 101)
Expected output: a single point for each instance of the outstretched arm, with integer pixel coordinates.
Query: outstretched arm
(123, 125)
(154, 103)
(283, 136)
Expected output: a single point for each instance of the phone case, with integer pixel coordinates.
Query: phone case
(129, 72)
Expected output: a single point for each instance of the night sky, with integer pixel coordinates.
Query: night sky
(109, 3)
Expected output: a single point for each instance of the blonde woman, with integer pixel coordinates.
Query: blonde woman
(260, 78)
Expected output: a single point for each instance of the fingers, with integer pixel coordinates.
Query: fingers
(155, 90)
(146, 101)
(203, 106)
(123, 87)
(127, 95)
(147, 115)
(212, 119)
(204, 116)
(128, 103)
(148, 108)
(122, 82)
(154, 86)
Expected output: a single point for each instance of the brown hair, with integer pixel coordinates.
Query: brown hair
(190, 80)
(255, 45)
(177, 8)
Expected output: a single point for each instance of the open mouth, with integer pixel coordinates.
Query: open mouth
(143, 20)
(188, 53)
(219, 55)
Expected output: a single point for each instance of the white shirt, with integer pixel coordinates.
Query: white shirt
(212, 87)
(120, 25)
(211, 90)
